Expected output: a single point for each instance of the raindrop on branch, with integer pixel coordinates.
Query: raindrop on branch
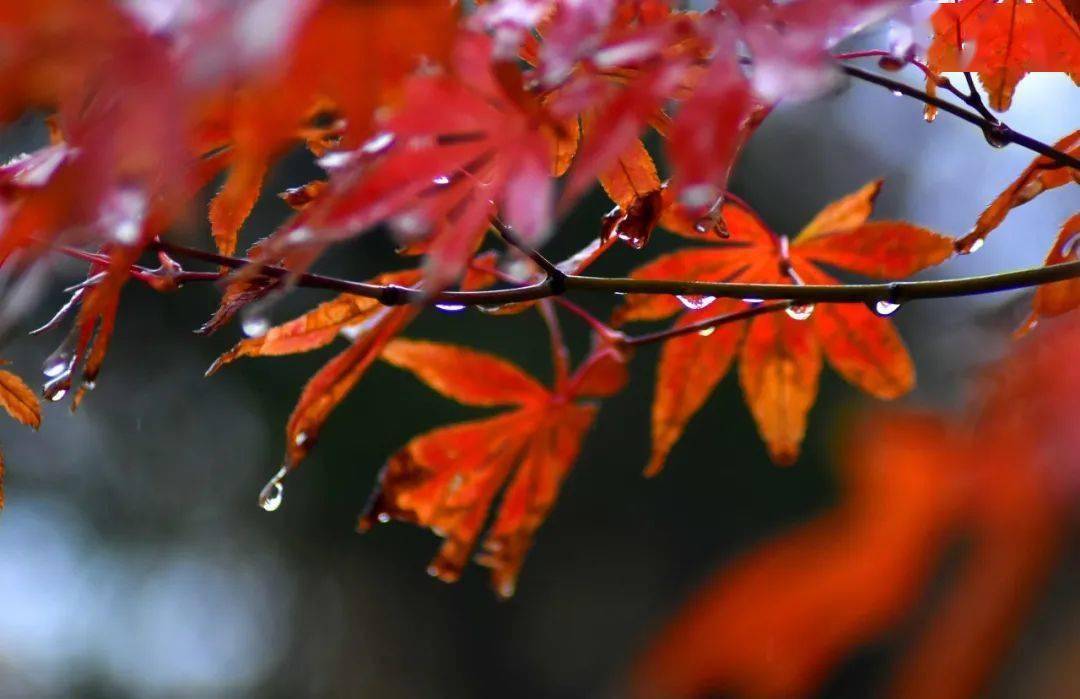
(885, 308)
(800, 311)
(696, 303)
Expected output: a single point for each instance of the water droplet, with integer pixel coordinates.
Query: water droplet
(273, 492)
(698, 196)
(886, 308)
(56, 396)
(450, 307)
(897, 93)
(696, 303)
(753, 302)
(300, 439)
(378, 143)
(254, 325)
(441, 181)
(975, 246)
(59, 362)
(705, 332)
(383, 517)
(800, 311)
(997, 136)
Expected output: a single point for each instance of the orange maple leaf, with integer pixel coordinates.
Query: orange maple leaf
(1041, 175)
(21, 404)
(1010, 39)
(781, 355)
(447, 480)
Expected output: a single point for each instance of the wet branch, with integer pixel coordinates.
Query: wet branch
(990, 126)
(892, 292)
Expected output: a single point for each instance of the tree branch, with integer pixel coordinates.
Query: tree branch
(1000, 132)
(894, 292)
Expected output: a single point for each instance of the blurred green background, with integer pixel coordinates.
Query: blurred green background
(136, 562)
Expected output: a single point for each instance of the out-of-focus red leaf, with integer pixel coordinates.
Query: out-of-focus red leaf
(777, 620)
(709, 130)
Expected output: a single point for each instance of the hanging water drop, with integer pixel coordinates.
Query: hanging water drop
(705, 332)
(56, 396)
(273, 492)
(800, 311)
(450, 307)
(753, 302)
(997, 135)
(57, 363)
(696, 303)
(383, 517)
(975, 246)
(254, 325)
(886, 308)
(897, 93)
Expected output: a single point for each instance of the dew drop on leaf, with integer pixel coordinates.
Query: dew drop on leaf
(450, 307)
(800, 311)
(56, 396)
(696, 303)
(383, 517)
(753, 302)
(705, 332)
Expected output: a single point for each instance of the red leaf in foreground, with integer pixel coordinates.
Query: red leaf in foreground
(777, 620)
(449, 479)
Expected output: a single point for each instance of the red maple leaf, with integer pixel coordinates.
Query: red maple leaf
(447, 480)
(1003, 42)
(781, 355)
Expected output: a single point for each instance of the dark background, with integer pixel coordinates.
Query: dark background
(135, 562)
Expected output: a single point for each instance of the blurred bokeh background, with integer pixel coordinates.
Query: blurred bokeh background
(136, 562)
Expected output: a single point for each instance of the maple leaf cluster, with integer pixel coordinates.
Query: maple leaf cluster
(442, 126)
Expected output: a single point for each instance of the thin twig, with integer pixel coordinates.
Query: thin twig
(532, 253)
(1000, 132)
(707, 324)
